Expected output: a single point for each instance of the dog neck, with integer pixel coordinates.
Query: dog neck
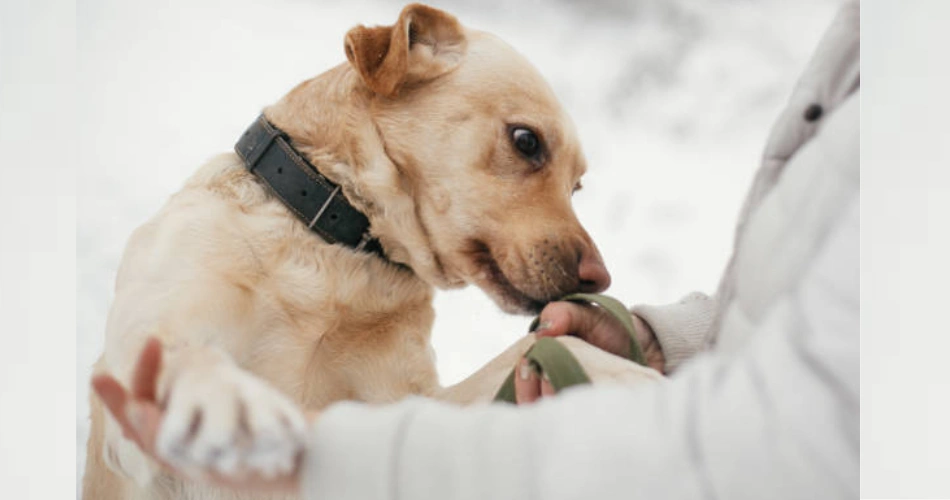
(329, 120)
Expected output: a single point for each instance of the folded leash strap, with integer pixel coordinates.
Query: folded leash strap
(554, 360)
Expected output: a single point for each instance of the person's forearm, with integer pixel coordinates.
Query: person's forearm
(675, 440)
(776, 419)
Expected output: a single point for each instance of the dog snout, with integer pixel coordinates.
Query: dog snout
(592, 274)
(559, 267)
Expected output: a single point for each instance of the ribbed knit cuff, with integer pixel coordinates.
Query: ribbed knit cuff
(681, 328)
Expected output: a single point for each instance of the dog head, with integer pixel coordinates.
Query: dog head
(460, 154)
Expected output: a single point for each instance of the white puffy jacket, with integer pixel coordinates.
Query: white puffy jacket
(769, 409)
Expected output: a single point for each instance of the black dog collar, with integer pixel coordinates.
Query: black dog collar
(318, 203)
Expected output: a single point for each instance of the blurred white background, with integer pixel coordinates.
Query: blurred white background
(673, 100)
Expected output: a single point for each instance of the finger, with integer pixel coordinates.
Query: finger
(527, 386)
(147, 369)
(115, 398)
(563, 318)
(546, 388)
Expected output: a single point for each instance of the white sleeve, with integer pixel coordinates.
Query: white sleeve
(681, 328)
(776, 419)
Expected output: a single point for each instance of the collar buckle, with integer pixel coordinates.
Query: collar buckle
(323, 208)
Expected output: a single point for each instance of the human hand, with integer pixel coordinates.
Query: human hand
(595, 326)
(145, 421)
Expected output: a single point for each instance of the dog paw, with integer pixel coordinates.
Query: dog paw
(225, 420)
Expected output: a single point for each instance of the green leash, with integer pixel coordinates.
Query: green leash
(553, 359)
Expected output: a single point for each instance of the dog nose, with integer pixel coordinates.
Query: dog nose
(593, 275)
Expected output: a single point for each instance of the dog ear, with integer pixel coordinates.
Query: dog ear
(423, 44)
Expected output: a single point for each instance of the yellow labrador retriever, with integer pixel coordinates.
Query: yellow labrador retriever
(300, 271)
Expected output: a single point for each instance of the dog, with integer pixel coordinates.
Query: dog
(463, 163)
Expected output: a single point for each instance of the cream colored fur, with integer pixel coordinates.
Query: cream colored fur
(233, 284)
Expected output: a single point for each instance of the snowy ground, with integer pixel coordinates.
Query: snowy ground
(672, 98)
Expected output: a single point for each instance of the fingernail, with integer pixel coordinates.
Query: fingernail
(525, 369)
(544, 325)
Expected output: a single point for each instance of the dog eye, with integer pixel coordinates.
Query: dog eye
(526, 142)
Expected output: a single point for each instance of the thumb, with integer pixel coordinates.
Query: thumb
(115, 398)
(563, 318)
